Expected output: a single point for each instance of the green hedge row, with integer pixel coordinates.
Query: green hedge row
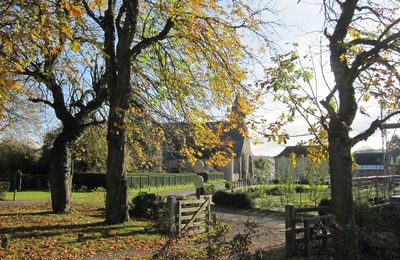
(233, 199)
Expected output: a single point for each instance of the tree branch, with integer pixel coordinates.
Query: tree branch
(137, 49)
(38, 100)
(91, 14)
(372, 128)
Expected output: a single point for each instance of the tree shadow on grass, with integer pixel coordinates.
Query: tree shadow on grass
(88, 229)
(41, 213)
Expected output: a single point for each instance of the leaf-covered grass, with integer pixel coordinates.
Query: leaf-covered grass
(33, 232)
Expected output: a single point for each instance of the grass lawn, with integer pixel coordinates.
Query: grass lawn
(33, 232)
(96, 197)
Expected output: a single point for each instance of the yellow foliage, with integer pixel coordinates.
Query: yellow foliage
(75, 46)
(97, 4)
(343, 57)
(19, 68)
(72, 9)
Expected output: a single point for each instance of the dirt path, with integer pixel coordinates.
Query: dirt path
(270, 226)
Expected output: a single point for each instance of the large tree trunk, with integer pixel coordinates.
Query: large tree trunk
(60, 174)
(340, 164)
(117, 189)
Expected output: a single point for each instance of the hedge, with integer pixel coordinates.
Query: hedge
(232, 199)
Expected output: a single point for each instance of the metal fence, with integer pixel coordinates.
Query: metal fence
(162, 179)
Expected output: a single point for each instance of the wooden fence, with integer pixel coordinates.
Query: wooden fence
(305, 233)
(188, 214)
(375, 186)
(193, 213)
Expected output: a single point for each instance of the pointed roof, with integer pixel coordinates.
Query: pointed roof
(296, 149)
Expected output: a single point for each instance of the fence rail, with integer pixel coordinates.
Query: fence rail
(193, 213)
(142, 181)
(303, 232)
(375, 187)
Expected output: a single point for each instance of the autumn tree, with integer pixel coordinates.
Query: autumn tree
(90, 151)
(263, 165)
(363, 40)
(165, 60)
(46, 50)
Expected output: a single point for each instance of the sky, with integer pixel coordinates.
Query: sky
(304, 22)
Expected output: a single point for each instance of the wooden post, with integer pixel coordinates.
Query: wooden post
(179, 220)
(290, 227)
(17, 182)
(376, 189)
(171, 206)
(307, 237)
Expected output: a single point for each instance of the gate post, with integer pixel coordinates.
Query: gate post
(307, 237)
(171, 206)
(290, 229)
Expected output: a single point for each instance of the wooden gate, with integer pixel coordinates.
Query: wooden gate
(315, 232)
(193, 213)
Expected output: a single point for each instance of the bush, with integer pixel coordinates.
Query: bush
(233, 199)
(4, 187)
(89, 180)
(209, 189)
(273, 191)
(380, 230)
(301, 189)
(324, 202)
(146, 205)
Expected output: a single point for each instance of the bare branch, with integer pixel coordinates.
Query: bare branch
(90, 13)
(372, 128)
(137, 49)
(38, 100)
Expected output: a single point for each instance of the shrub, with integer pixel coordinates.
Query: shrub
(324, 202)
(239, 247)
(273, 191)
(89, 180)
(233, 199)
(301, 189)
(4, 187)
(146, 205)
(380, 230)
(209, 189)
